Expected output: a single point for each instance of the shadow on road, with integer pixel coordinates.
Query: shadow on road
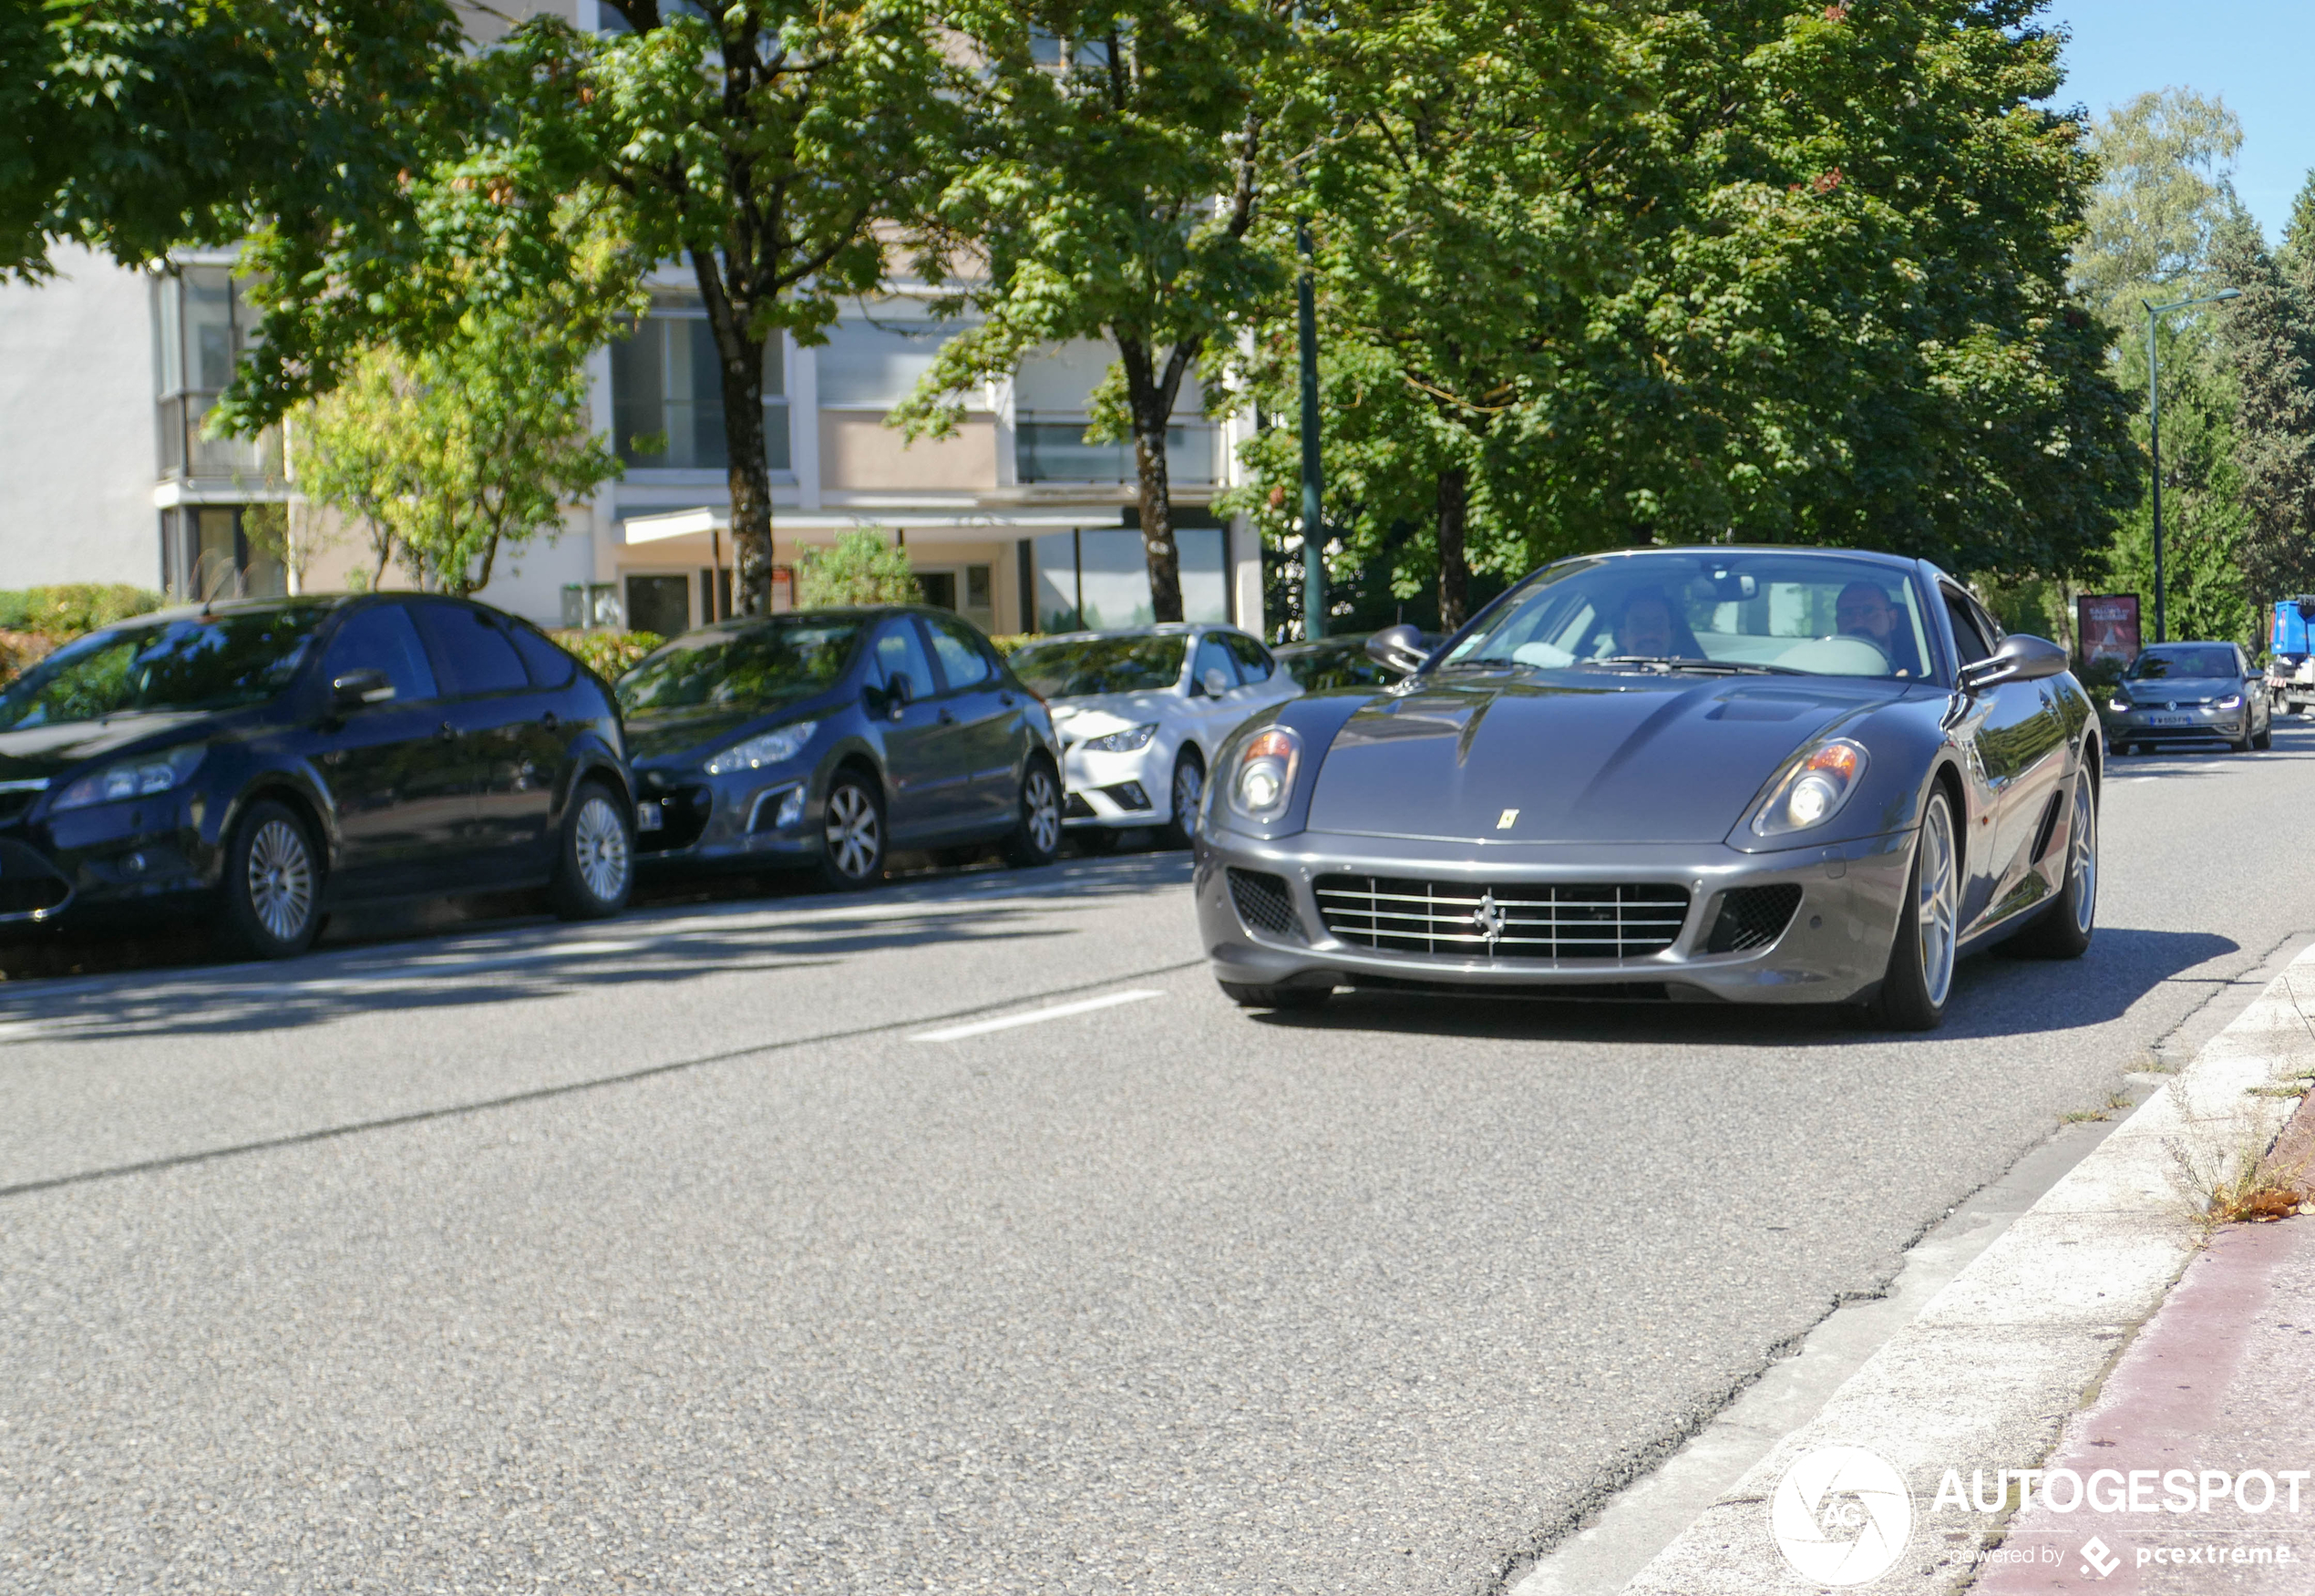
(1993, 995)
(516, 960)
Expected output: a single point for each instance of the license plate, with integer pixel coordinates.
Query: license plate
(2170, 720)
(648, 817)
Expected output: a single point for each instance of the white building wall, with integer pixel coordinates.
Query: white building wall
(77, 451)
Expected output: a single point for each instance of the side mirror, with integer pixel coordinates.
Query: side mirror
(356, 689)
(1398, 648)
(898, 693)
(2019, 659)
(1216, 681)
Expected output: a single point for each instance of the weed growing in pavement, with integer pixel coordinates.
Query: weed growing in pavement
(2116, 1103)
(2225, 1185)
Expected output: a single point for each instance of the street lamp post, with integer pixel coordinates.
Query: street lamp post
(2154, 432)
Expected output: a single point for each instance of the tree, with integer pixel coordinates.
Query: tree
(2268, 339)
(861, 569)
(137, 126)
(2166, 188)
(451, 458)
(1111, 195)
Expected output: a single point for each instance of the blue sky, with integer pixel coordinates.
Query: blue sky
(2256, 55)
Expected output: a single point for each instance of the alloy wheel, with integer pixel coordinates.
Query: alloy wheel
(602, 845)
(1043, 807)
(2082, 864)
(853, 839)
(281, 880)
(1937, 911)
(1189, 787)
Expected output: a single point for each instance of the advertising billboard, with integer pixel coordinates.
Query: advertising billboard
(2109, 627)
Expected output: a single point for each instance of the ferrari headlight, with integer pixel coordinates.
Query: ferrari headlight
(1814, 790)
(1264, 783)
(157, 772)
(1124, 742)
(774, 747)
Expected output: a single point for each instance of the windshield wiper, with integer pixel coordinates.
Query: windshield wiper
(1665, 663)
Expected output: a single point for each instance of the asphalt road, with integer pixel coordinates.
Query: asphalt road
(662, 1254)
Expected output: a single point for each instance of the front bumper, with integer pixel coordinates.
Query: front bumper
(133, 857)
(1132, 789)
(2187, 724)
(684, 817)
(1834, 947)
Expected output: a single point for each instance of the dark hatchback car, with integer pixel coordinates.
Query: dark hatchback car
(826, 738)
(265, 761)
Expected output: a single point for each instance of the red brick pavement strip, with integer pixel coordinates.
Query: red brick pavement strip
(2219, 1380)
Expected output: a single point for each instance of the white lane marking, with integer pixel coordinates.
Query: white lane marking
(1060, 1011)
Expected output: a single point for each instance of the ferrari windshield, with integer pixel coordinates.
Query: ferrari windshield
(1810, 614)
(1079, 667)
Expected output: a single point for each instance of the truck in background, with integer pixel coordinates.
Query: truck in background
(2290, 659)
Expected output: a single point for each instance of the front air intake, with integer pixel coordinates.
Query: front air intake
(1752, 917)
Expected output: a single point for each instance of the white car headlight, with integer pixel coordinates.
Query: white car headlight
(2119, 705)
(1124, 742)
(1263, 784)
(2232, 701)
(1814, 790)
(131, 778)
(773, 747)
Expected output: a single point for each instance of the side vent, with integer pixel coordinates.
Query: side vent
(1264, 903)
(1752, 917)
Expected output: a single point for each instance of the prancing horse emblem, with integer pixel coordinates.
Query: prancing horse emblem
(1490, 919)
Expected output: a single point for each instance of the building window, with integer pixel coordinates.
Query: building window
(659, 603)
(223, 551)
(202, 323)
(1057, 451)
(1099, 577)
(668, 397)
(967, 588)
(874, 364)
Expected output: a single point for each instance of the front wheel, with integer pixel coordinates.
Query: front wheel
(2266, 738)
(1188, 792)
(595, 858)
(1920, 970)
(852, 834)
(1036, 837)
(272, 883)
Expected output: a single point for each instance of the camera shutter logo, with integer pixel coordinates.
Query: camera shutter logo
(1841, 1515)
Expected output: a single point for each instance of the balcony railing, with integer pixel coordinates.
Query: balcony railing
(1057, 451)
(693, 431)
(184, 452)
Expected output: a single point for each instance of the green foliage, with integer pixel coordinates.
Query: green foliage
(2165, 163)
(2268, 341)
(134, 125)
(69, 609)
(1088, 211)
(448, 457)
(860, 569)
(609, 655)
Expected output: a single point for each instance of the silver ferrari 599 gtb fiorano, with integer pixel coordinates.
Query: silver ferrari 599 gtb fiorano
(1766, 775)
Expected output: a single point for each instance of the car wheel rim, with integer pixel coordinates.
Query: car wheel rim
(1937, 912)
(602, 849)
(2085, 862)
(1190, 786)
(1044, 813)
(852, 839)
(281, 880)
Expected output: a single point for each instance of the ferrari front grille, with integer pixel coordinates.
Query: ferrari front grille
(1752, 917)
(1515, 920)
(1264, 903)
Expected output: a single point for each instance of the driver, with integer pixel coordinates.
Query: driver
(1646, 627)
(1863, 611)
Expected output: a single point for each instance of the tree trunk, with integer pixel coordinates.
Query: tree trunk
(740, 363)
(1455, 570)
(1149, 396)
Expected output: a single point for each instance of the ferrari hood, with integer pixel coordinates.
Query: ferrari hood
(1624, 758)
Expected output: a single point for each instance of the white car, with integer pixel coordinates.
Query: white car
(1141, 713)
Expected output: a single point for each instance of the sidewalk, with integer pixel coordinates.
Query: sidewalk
(2103, 1349)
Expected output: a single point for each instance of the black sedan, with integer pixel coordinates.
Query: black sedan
(822, 740)
(263, 761)
(1762, 774)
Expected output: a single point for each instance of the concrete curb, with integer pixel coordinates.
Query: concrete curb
(1986, 1376)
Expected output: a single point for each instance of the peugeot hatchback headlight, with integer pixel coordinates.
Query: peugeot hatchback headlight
(773, 747)
(156, 772)
(1124, 742)
(1814, 790)
(1263, 784)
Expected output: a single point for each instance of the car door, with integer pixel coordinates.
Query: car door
(979, 720)
(403, 789)
(1266, 684)
(2016, 740)
(499, 720)
(910, 732)
(1217, 713)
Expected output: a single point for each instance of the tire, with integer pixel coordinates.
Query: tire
(1920, 970)
(1036, 837)
(1190, 782)
(2265, 738)
(1276, 997)
(2063, 930)
(271, 885)
(596, 856)
(852, 834)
